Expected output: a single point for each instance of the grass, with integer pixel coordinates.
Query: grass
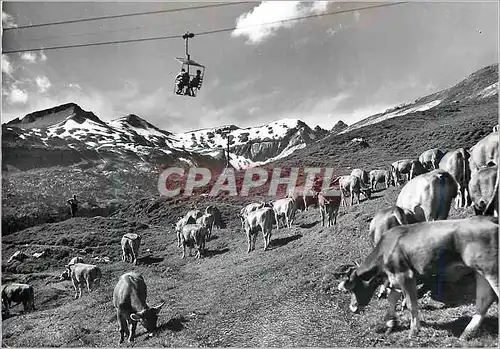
(282, 297)
(286, 296)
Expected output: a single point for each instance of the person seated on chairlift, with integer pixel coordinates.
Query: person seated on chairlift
(195, 82)
(182, 80)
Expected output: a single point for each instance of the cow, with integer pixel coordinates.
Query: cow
(129, 300)
(260, 219)
(75, 260)
(303, 198)
(483, 190)
(250, 208)
(428, 196)
(380, 176)
(18, 293)
(350, 185)
(329, 204)
(82, 274)
(130, 247)
(284, 207)
(193, 235)
(416, 169)
(214, 211)
(484, 153)
(456, 163)
(207, 220)
(180, 224)
(430, 158)
(421, 250)
(382, 222)
(361, 174)
(401, 167)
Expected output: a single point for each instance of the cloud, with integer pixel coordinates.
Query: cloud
(253, 24)
(7, 67)
(16, 95)
(43, 83)
(8, 21)
(33, 57)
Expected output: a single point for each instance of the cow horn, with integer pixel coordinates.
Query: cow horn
(357, 264)
(158, 308)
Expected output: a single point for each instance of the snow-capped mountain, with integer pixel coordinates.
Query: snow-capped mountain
(68, 133)
(477, 86)
(253, 145)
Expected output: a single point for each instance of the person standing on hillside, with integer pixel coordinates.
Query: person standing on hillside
(73, 205)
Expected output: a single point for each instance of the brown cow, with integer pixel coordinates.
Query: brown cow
(130, 247)
(428, 196)
(421, 250)
(401, 167)
(484, 153)
(483, 189)
(329, 203)
(129, 300)
(430, 158)
(456, 163)
(18, 293)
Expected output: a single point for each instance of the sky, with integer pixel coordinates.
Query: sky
(320, 70)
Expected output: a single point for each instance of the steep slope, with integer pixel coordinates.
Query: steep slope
(478, 86)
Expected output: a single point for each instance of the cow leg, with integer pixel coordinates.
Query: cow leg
(277, 220)
(322, 213)
(410, 292)
(391, 317)
(254, 240)
(249, 241)
(122, 322)
(132, 327)
(75, 286)
(89, 288)
(485, 296)
(178, 239)
(183, 250)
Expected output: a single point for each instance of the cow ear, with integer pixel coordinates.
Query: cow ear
(158, 308)
(135, 317)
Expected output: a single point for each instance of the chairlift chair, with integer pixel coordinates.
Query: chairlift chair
(190, 67)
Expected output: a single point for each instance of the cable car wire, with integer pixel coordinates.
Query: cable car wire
(167, 37)
(123, 15)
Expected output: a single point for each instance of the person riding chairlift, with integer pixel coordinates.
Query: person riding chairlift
(182, 80)
(195, 82)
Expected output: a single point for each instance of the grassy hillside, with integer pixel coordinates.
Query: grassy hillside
(282, 297)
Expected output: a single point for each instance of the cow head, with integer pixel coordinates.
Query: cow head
(148, 318)
(361, 290)
(66, 275)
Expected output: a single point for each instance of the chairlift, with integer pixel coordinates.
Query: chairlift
(189, 80)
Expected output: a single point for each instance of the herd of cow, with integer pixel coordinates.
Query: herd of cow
(411, 240)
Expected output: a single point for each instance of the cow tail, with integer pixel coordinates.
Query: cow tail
(495, 193)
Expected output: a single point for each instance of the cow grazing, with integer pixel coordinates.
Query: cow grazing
(130, 247)
(401, 167)
(483, 189)
(484, 153)
(261, 219)
(456, 163)
(430, 158)
(82, 274)
(416, 169)
(284, 207)
(329, 204)
(304, 198)
(214, 211)
(428, 196)
(193, 235)
(207, 220)
(421, 250)
(18, 293)
(352, 185)
(380, 176)
(129, 300)
(361, 174)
